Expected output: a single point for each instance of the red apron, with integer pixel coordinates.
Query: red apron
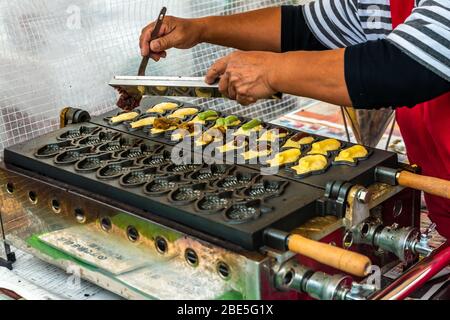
(426, 131)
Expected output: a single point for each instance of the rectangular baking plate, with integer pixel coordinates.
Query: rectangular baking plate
(174, 86)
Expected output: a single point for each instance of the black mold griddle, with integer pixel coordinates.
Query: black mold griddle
(233, 202)
(363, 173)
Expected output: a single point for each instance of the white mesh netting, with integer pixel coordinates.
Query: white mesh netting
(57, 53)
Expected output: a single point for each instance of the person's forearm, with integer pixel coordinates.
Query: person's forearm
(379, 75)
(315, 74)
(258, 30)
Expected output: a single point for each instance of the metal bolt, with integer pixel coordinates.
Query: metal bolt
(364, 196)
(356, 288)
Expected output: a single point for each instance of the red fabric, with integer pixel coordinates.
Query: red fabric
(400, 10)
(426, 131)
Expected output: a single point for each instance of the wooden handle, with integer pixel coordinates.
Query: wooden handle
(338, 258)
(434, 186)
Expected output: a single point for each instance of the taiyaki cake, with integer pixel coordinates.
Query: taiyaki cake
(161, 125)
(236, 144)
(183, 113)
(273, 134)
(258, 151)
(299, 140)
(285, 157)
(352, 154)
(311, 164)
(145, 122)
(253, 126)
(206, 116)
(210, 136)
(163, 108)
(325, 146)
(123, 117)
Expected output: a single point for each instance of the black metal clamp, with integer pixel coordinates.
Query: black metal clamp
(73, 116)
(276, 239)
(334, 201)
(387, 175)
(9, 260)
(10, 257)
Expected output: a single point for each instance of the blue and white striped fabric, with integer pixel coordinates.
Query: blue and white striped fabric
(424, 36)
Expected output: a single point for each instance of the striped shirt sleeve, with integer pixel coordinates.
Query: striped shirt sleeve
(335, 23)
(425, 36)
(343, 23)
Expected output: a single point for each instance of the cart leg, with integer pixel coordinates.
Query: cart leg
(7, 257)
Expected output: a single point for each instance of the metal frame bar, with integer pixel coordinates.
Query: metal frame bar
(10, 257)
(417, 276)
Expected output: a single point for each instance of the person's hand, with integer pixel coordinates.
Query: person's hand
(244, 76)
(175, 33)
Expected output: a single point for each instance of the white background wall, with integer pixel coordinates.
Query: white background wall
(55, 53)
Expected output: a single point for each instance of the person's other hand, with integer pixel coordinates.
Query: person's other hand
(175, 33)
(244, 76)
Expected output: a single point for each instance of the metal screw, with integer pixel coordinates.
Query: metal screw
(364, 196)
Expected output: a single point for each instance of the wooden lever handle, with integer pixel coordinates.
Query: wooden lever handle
(338, 258)
(434, 186)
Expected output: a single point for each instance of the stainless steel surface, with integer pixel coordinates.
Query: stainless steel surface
(107, 256)
(78, 223)
(155, 81)
(327, 287)
(318, 285)
(358, 208)
(405, 242)
(291, 275)
(360, 291)
(422, 246)
(137, 87)
(170, 86)
(360, 202)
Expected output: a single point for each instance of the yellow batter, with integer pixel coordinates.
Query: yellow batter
(183, 113)
(310, 164)
(233, 145)
(298, 141)
(155, 131)
(143, 123)
(211, 135)
(203, 117)
(186, 129)
(285, 157)
(325, 146)
(161, 125)
(228, 122)
(246, 130)
(352, 154)
(258, 153)
(129, 116)
(273, 134)
(163, 107)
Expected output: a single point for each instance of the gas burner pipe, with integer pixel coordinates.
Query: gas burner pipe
(417, 276)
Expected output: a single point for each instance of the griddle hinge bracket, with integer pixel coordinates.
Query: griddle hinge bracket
(73, 116)
(334, 202)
